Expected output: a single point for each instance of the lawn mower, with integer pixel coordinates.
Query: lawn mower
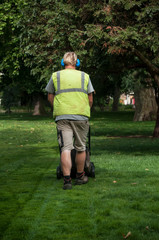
(89, 166)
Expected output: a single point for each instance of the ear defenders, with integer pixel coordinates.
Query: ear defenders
(77, 63)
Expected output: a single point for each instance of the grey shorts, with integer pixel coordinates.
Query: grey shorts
(72, 134)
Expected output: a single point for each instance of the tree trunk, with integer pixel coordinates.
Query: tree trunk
(145, 104)
(156, 130)
(39, 108)
(154, 72)
(116, 97)
(8, 111)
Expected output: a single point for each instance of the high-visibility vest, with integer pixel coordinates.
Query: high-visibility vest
(71, 96)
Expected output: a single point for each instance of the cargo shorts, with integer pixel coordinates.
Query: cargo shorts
(72, 134)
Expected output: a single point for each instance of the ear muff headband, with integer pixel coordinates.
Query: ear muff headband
(77, 63)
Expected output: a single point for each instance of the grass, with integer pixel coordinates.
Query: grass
(123, 198)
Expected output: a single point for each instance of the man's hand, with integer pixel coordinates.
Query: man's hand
(51, 98)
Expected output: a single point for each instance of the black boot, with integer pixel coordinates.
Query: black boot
(81, 178)
(67, 183)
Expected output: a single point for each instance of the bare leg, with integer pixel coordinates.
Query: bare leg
(66, 162)
(80, 161)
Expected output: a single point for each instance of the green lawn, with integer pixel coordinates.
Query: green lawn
(123, 198)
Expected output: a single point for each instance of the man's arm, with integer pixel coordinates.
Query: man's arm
(90, 98)
(51, 98)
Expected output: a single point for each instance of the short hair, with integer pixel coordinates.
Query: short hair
(70, 58)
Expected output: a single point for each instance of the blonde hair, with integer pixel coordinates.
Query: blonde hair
(70, 58)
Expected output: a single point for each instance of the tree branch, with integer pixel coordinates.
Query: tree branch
(151, 67)
(134, 66)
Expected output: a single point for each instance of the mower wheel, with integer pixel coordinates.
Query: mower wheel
(92, 173)
(58, 172)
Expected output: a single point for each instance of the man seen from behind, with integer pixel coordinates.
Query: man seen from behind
(70, 92)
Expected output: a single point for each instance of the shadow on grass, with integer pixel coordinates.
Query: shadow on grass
(25, 117)
(113, 116)
(126, 130)
(132, 146)
(96, 116)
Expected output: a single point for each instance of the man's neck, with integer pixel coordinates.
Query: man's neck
(70, 67)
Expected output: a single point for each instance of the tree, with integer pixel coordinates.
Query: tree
(106, 35)
(127, 28)
(51, 29)
(9, 42)
(45, 35)
(16, 78)
(139, 82)
(145, 103)
(44, 39)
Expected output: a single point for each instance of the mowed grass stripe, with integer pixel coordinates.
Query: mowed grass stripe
(122, 198)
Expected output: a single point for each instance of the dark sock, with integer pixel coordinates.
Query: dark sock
(67, 179)
(79, 175)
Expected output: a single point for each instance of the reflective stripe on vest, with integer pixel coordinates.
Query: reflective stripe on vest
(70, 89)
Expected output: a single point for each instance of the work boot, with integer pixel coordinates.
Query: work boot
(67, 183)
(81, 178)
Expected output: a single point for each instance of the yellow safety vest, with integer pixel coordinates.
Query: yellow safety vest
(71, 96)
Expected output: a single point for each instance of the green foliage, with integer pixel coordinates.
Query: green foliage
(12, 64)
(45, 35)
(9, 44)
(128, 82)
(134, 25)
